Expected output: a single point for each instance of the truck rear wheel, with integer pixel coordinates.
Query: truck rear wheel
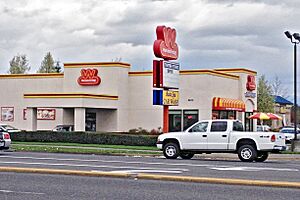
(186, 155)
(262, 156)
(171, 150)
(247, 153)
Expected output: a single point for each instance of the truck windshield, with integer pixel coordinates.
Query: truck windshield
(238, 126)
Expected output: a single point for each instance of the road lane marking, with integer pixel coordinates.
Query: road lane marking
(145, 171)
(209, 166)
(114, 161)
(19, 192)
(253, 169)
(94, 166)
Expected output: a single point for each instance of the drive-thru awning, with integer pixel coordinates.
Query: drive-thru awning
(228, 104)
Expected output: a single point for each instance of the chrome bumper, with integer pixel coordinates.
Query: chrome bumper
(279, 148)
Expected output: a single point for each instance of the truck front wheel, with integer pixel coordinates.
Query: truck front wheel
(171, 150)
(247, 153)
(262, 156)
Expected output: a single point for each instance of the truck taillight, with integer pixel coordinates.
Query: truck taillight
(6, 136)
(273, 138)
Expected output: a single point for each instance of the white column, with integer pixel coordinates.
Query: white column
(32, 119)
(79, 119)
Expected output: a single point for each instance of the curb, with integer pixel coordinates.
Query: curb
(282, 184)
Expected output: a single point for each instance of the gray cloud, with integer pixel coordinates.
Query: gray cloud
(210, 33)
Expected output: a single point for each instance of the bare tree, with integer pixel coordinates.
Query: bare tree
(278, 89)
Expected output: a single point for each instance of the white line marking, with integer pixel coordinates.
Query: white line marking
(10, 191)
(114, 161)
(94, 166)
(144, 171)
(253, 169)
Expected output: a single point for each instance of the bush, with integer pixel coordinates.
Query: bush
(85, 138)
(138, 131)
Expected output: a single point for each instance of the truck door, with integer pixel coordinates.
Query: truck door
(196, 137)
(218, 137)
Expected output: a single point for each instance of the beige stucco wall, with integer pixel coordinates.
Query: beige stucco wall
(14, 87)
(196, 92)
(133, 106)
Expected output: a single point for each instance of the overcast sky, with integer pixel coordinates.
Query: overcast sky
(210, 34)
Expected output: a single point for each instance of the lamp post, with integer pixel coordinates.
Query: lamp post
(295, 39)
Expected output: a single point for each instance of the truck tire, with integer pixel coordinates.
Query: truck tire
(186, 155)
(247, 153)
(171, 150)
(262, 156)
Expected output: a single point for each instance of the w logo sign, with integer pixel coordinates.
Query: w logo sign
(165, 46)
(89, 77)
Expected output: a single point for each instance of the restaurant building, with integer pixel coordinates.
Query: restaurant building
(108, 96)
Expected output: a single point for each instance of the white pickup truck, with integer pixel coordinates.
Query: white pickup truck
(220, 136)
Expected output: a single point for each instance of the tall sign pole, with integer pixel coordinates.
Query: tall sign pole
(165, 72)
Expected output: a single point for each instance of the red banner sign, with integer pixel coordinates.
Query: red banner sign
(250, 85)
(165, 46)
(89, 77)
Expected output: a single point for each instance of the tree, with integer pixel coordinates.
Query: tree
(278, 89)
(47, 65)
(18, 65)
(57, 67)
(265, 100)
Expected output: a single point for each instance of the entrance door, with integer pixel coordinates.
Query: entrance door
(248, 122)
(90, 121)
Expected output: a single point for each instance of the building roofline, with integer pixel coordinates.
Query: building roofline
(97, 64)
(189, 72)
(236, 70)
(39, 75)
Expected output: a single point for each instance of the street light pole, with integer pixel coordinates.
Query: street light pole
(295, 39)
(295, 90)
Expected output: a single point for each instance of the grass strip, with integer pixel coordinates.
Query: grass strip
(50, 149)
(153, 148)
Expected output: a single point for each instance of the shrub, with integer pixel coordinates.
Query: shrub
(85, 138)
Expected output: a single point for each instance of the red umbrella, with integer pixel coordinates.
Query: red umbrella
(274, 116)
(260, 116)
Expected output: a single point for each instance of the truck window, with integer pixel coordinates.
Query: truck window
(218, 126)
(238, 126)
(201, 127)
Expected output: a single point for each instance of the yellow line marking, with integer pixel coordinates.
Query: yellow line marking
(228, 181)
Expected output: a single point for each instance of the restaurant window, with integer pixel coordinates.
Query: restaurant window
(223, 114)
(182, 119)
(175, 120)
(190, 117)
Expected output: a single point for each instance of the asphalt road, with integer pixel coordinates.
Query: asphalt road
(272, 170)
(19, 186)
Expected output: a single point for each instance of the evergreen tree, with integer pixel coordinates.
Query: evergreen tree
(47, 65)
(265, 100)
(18, 65)
(57, 67)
